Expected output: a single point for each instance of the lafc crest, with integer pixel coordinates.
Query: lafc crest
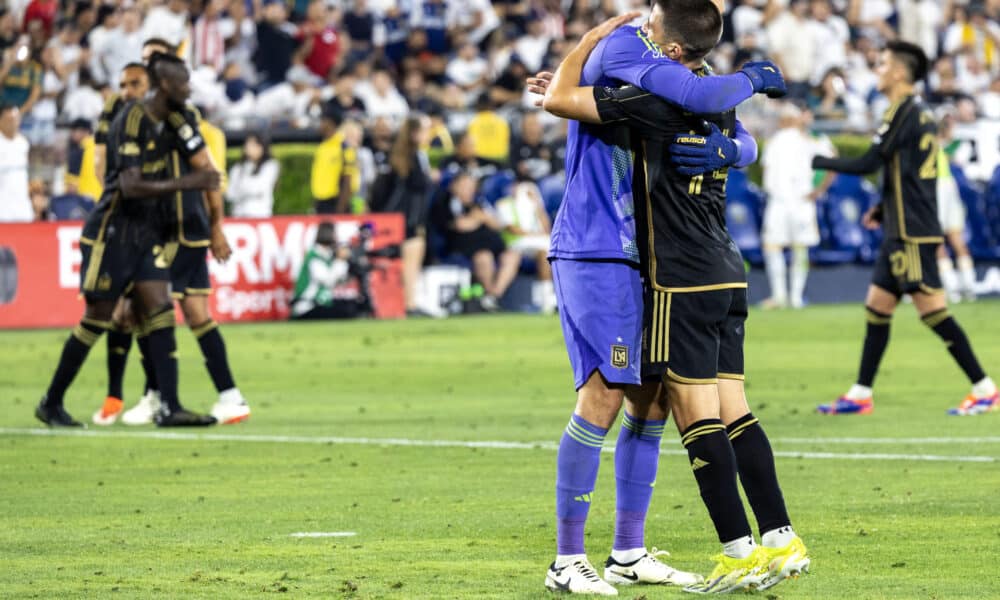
(619, 356)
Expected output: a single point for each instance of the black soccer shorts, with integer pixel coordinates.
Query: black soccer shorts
(907, 268)
(109, 268)
(694, 337)
(189, 272)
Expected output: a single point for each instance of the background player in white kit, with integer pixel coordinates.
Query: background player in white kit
(959, 284)
(790, 214)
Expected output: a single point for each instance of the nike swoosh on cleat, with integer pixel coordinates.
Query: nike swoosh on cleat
(562, 585)
(630, 575)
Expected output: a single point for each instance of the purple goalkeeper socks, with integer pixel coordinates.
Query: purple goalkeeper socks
(637, 456)
(576, 472)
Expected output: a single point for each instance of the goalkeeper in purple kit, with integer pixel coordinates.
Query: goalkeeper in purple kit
(595, 260)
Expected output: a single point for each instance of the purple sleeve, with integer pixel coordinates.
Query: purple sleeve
(630, 58)
(747, 145)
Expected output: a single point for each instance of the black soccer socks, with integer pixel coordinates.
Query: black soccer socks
(119, 343)
(714, 466)
(958, 344)
(75, 351)
(876, 340)
(755, 461)
(213, 348)
(163, 355)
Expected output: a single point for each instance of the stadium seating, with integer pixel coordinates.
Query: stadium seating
(843, 239)
(981, 236)
(744, 202)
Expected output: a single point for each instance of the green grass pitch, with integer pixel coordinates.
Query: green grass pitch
(121, 516)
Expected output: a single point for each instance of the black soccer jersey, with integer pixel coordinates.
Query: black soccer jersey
(111, 109)
(688, 247)
(191, 212)
(906, 144)
(134, 140)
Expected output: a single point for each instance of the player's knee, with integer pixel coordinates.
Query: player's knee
(162, 317)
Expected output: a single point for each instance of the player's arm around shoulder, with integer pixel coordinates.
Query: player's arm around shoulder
(564, 96)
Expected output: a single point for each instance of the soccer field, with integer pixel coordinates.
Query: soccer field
(433, 442)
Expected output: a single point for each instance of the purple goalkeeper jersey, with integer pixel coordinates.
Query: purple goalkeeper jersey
(596, 219)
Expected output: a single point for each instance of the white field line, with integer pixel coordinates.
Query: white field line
(322, 534)
(497, 445)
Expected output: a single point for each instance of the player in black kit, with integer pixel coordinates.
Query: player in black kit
(696, 306)
(906, 145)
(129, 241)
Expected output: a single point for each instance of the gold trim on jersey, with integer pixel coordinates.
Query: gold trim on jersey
(659, 328)
(930, 290)
(897, 186)
(690, 380)
(176, 161)
(733, 376)
(86, 241)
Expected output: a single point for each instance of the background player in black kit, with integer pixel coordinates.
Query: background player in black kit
(127, 244)
(696, 305)
(906, 145)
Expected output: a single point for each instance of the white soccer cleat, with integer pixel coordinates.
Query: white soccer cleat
(578, 577)
(648, 569)
(143, 412)
(231, 408)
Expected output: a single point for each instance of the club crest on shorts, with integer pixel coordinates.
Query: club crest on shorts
(619, 356)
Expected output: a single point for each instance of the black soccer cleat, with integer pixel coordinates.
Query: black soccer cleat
(55, 416)
(183, 418)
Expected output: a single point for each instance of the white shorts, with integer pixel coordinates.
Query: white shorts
(790, 223)
(951, 211)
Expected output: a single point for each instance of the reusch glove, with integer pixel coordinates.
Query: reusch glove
(694, 154)
(766, 78)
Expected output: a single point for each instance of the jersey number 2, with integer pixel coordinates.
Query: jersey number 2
(929, 169)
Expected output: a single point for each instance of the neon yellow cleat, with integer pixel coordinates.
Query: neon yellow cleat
(731, 574)
(785, 562)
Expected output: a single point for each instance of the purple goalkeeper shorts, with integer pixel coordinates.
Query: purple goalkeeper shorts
(600, 308)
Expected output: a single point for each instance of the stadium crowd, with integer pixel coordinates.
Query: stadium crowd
(417, 91)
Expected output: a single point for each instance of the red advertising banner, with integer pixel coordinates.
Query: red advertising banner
(40, 269)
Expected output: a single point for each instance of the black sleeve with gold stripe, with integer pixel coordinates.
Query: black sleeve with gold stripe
(111, 109)
(185, 126)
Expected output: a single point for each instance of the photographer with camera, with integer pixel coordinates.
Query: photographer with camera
(326, 267)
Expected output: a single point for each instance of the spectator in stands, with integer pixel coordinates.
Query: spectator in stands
(465, 159)
(21, 75)
(124, 45)
(490, 133)
(359, 24)
(81, 177)
(291, 100)
(526, 229)
(335, 176)
(831, 101)
(42, 11)
(344, 104)
(240, 34)
(8, 29)
(252, 180)
(320, 44)
(790, 216)
(324, 268)
(430, 17)
(40, 202)
(391, 33)
(468, 71)
(417, 92)
(793, 51)
(84, 102)
(168, 21)
(208, 43)
(15, 204)
(509, 87)
(831, 36)
(381, 98)
(531, 157)
(919, 21)
(109, 19)
(405, 188)
(534, 45)
(275, 45)
(473, 231)
(419, 57)
(475, 20)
